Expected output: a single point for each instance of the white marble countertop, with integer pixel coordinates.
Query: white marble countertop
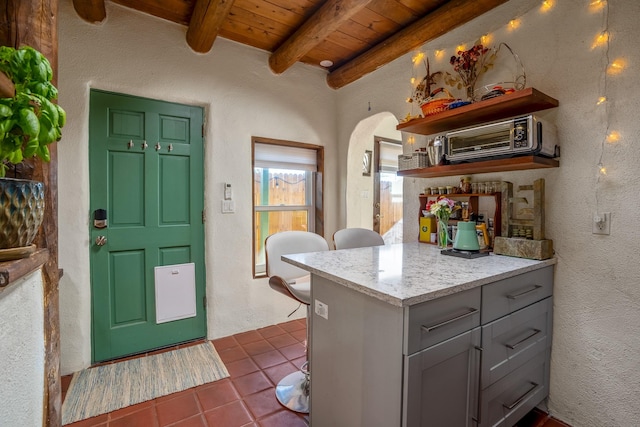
(410, 273)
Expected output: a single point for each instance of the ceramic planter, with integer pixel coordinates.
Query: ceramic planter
(21, 211)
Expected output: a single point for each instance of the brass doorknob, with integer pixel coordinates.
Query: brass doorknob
(101, 240)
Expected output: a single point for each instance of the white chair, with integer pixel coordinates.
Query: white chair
(293, 390)
(349, 238)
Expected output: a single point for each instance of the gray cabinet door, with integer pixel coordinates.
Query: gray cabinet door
(441, 383)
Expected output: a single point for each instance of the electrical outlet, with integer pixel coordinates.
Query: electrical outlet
(601, 223)
(322, 309)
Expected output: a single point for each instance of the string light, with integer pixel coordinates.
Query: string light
(601, 100)
(417, 58)
(547, 5)
(597, 5)
(613, 136)
(486, 39)
(460, 47)
(616, 67)
(601, 39)
(514, 24)
(438, 53)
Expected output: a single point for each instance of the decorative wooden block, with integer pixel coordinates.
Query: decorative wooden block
(523, 248)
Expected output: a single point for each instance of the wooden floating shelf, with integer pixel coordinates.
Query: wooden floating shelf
(523, 101)
(487, 166)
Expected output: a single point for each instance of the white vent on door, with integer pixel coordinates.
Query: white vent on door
(175, 292)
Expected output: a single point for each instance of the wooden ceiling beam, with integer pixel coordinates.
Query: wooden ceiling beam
(92, 11)
(318, 27)
(206, 21)
(440, 21)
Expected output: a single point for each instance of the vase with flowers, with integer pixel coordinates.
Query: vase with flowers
(442, 210)
(469, 65)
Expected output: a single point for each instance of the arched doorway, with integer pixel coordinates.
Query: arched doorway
(375, 189)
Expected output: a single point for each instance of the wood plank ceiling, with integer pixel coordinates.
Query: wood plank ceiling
(356, 36)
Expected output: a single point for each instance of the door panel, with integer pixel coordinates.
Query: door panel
(146, 170)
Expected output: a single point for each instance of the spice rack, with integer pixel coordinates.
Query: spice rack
(473, 199)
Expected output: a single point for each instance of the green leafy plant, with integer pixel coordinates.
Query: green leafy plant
(29, 121)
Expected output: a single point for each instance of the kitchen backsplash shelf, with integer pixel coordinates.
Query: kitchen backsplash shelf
(523, 101)
(486, 166)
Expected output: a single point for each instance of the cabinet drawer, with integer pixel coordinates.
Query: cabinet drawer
(511, 398)
(511, 341)
(435, 321)
(508, 295)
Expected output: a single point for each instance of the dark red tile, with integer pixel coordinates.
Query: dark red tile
(278, 372)
(283, 340)
(283, 418)
(144, 418)
(175, 395)
(294, 351)
(197, 421)
(263, 403)
(299, 362)
(247, 337)
(130, 409)
(241, 367)
(232, 415)
(225, 343)
(65, 380)
(300, 335)
(100, 420)
(216, 394)
(292, 326)
(177, 409)
(232, 354)
(257, 347)
(268, 359)
(252, 383)
(271, 331)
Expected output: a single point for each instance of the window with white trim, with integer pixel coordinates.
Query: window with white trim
(284, 191)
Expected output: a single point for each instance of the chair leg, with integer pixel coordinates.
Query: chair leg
(293, 390)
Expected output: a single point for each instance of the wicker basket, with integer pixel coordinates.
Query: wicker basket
(435, 105)
(419, 159)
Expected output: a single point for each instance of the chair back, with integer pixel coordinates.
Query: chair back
(349, 238)
(290, 242)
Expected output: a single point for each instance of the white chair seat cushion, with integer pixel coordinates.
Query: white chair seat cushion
(301, 288)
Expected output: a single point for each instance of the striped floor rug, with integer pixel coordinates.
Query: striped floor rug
(103, 389)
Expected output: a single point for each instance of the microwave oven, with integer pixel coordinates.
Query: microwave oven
(523, 135)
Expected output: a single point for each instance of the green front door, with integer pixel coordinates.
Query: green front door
(146, 172)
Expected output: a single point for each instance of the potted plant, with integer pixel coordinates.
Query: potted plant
(29, 122)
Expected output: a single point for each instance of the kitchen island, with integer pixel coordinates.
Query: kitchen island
(402, 335)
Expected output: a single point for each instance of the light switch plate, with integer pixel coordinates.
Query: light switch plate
(228, 206)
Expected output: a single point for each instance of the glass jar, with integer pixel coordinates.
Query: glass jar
(449, 189)
(482, 188)
(489, 187)
(474, 187)
(442, 190)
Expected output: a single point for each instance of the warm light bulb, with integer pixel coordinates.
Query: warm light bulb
(601, 100)
(460, 48)
(438, 53)
(546, 5)
(616, 67)
(596, 5)
(600, 40)
(485, 39)
(613, 136)
(417, 57)
(602, 169)
(514, 23)
(413, 80)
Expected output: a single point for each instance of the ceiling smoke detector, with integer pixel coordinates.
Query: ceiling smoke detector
(326, 63)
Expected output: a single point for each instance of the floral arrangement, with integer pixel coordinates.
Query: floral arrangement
(442, 209)
(422, 92)
(469, 65)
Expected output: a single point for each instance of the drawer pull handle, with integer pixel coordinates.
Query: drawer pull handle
(521, 294)
(533, 334)
(471, 312)
(521, 398)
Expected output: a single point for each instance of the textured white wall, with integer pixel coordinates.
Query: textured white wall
(136, 54)
(596, 346)
(22, 352)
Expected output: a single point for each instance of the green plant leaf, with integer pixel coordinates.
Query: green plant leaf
(31, 147)
(43, 153)
(5, 111)
(29, 122)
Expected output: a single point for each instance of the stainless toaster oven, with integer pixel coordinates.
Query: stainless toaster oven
(504, 138)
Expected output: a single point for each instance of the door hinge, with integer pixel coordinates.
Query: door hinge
(204, 302)
(204, 216)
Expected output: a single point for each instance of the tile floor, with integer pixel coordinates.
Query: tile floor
(256, 361)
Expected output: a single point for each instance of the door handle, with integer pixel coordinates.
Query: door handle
(101, 240)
